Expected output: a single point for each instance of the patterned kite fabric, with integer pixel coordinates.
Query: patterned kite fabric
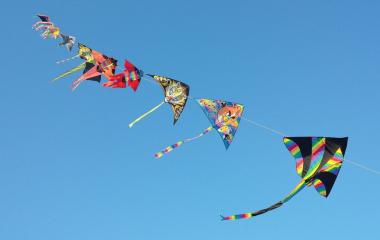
(334, 164)
(224, 116)
(317, 153)
(296, 153)
(179, 143)
(320, 187)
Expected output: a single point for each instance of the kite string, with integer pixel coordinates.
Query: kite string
(264, 127)
(368, 169)
(363, 167)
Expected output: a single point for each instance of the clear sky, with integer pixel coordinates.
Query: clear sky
(71, 169)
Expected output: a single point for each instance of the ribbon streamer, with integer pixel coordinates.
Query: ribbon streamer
(179, 143)
(145, 114)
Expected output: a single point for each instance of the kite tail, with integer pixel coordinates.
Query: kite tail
(70, 71)
(169, 149)
(145, 114)
(295, 190)
(179, 143)
(67, 59)
(76, 83)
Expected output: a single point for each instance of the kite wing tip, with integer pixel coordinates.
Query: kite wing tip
(130, 125)
(222, 218)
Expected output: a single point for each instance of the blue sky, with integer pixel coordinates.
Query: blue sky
(70, 168)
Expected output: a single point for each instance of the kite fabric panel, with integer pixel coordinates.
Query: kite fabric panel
(318, 162)
(68, 41)
(97, 64)
(176, 94)
(131, 74)
(224, 116)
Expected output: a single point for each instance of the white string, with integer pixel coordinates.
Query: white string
(363, 167)
(264, 127)
(368, 169)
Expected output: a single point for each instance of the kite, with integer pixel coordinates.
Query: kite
(93, 70)
(94, 66)
(176, 94)
(224, 118)
(318, 162)
(68, 41)
(131, 74)
(49, 30)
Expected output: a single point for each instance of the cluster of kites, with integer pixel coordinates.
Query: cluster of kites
(318, 159)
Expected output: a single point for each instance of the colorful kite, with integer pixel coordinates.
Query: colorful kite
(318, 161)
(102, 64)
(94, 66)
(131, 74)
(68, 41)
(49, 30)
(224, 117)
(176, 94)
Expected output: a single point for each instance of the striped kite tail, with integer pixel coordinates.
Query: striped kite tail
(168, 149)
(179, 143)
(236, 217)
(295, 190)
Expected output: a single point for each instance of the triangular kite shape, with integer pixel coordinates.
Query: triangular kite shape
(224, 116)
(176, 94)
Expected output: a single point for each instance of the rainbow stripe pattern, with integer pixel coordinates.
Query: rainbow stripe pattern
(238, 216)
(295, 190)
(296, 153)
(317, 152)
(320, 187)
(179, 143)
(319, 159)
(168, 149)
